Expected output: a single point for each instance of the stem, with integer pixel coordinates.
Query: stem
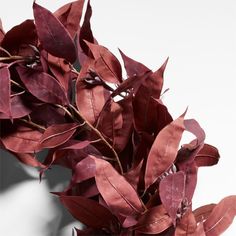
(18, 85)
(65, 110)
(33, 124)
(12, 58)
(101, 137)
(4, 50)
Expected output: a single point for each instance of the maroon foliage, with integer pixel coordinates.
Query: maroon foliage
(128, 174)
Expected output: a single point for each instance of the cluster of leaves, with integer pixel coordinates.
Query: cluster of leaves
(128, 174)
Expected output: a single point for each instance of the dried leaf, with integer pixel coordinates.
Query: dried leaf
(106, 65)
(203, 212)
(132, 67)
(90, 212)
(5, 105)
(221, 216)
(42, 86)
(20, 138)
(119, 195)
(25, 33)
(164, 150)
(207, 156)
(172, 193)
(52, 34)
(154, 221)
(69, 15)
(28, 159)
(57, 134)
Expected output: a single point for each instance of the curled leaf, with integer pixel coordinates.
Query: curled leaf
(221, 216)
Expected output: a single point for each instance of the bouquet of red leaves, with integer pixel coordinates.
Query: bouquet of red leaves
(63, 92)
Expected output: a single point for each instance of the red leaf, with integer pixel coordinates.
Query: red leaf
(203, 212)
(20, 138)
(115, 122)
(106, 65)
(28, 159)
(154, 221)
(119, 195)
(68, 150)
(25, 33)
(171, 190)
(57, 134)
(52, 34)
(221, 216)
(5, 105)
(84, 170)
(133, 68)
(43, 86)
(207, 156)
(69, 15)
(164, 150)
(90, 212)
(85, 33)
(90, 101)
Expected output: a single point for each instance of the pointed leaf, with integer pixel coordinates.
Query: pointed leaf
(28, 159)
(172, 190)
(89, 212)
(57, 134)
(154, 221)
(221, 216)
(119, 195)
(164, 150)
(42, 86)
(107, 65)
(133, 68)
(5, 105)
(69, 15)
(52, 34)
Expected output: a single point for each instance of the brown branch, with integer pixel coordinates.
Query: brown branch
(33, 124)
(101, 137)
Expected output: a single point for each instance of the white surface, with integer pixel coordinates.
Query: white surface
(199, 36)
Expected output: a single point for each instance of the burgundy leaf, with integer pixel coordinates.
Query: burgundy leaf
(115, 122)
(26, 35)
(69, 15)
(90, 101)
(52, 34)
(119, 195)
(106, 65)
(69, 150)
(5, 105)
(84, 170)
(85, 33)
(171, 190)
(150, 115)
(90, 212)
(42, 86)
(28, 159)
(20, 138)
(207, 156)
(221, 216)
(164, 150)
(133, 67)
(57, 134)
(154, 221)
(203, 212)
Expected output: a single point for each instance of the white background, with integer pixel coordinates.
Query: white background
(199, 36)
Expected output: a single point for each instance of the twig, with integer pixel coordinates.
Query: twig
(15, 83)
(101, 137)
(12, 58)
(65, 110)
(4, 50)
(33, 124)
